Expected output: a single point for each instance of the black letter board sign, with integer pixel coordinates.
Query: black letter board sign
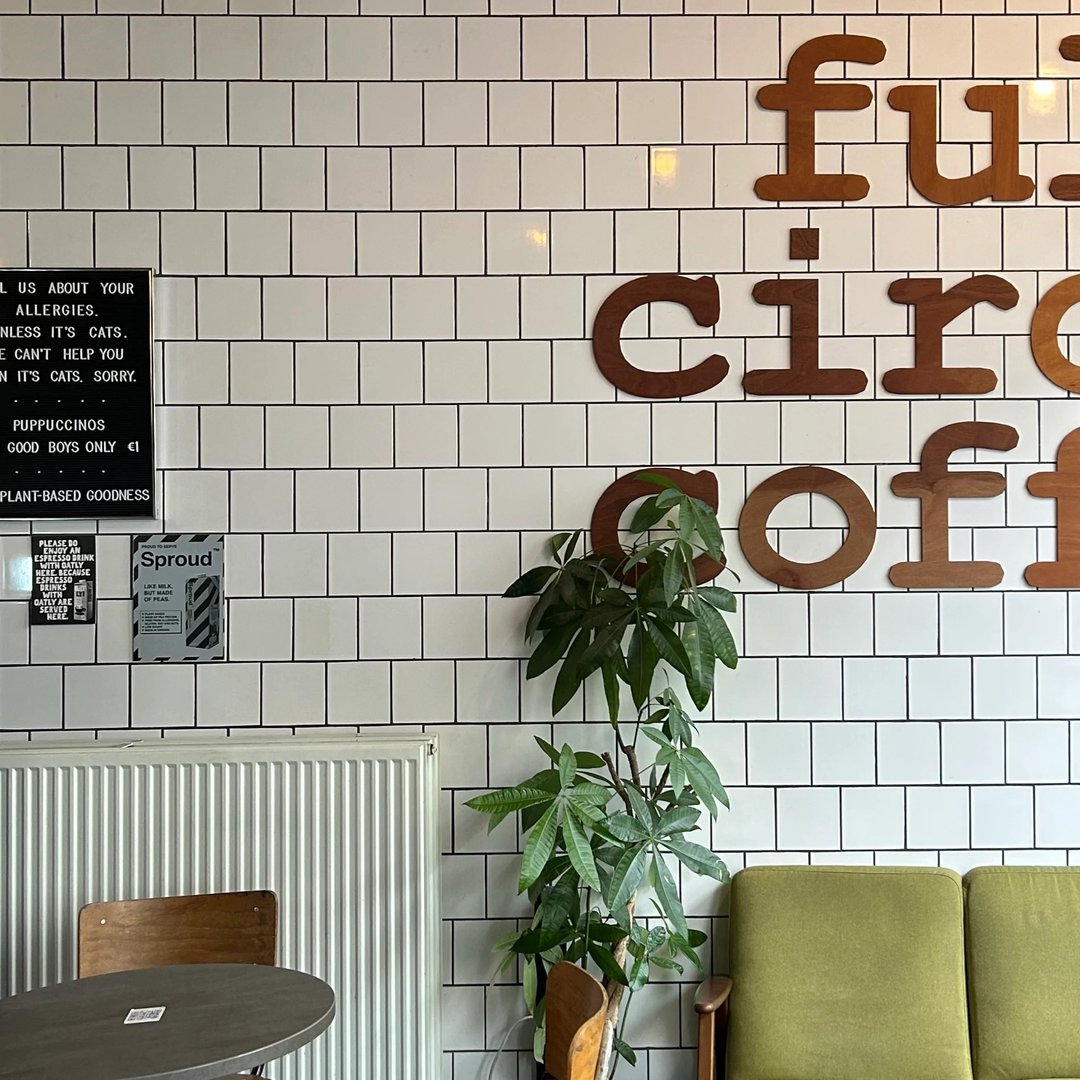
(76, 394)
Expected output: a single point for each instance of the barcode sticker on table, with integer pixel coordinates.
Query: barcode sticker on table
(145, 1016)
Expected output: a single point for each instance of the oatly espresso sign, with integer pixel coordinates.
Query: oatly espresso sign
(76, 394)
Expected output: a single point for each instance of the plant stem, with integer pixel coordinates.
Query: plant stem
(609, 761)
(615, 993)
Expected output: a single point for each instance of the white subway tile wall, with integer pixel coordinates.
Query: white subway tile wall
(382, 229)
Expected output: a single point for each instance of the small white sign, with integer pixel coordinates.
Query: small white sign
(145, 1016)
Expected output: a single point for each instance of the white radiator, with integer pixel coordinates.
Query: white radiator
(343, 830)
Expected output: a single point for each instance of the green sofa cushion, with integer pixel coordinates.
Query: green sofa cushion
(1023, 953)
(847, 973)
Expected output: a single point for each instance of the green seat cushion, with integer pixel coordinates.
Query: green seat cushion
(847, 973)
(1023, 954)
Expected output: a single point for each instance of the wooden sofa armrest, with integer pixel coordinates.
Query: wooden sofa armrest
(711, 1005)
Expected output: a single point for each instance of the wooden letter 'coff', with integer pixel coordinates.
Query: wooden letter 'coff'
(934, 485)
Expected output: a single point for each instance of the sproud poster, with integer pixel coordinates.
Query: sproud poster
(177, 583)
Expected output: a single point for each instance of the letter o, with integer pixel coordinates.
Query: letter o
(810, 479)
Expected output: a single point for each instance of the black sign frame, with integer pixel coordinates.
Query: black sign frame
(92, 482)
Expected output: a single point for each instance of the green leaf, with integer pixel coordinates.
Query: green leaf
(658, 737)
(673, 574)
(624, 827)
(580, 852)
(538, 848)
(509, 800)
(707, 528)
(557, 542)
(642, 810)
(567, 766)
(641, 661)
(550, 650)
(658, 480)
(606, 962)
(605, 644)
(668, 894)
(626, 876)
(639, 972)
(722, 599)
(646, 516)
(531, 582)
(569, 679)
(704, 779)
(668, 645)
(624, 1050)
(528, 983)
(697, 858)
(722, 642)
(699, 651)
(584, 792)
(540, 609)
(611, 689)
(680, 819)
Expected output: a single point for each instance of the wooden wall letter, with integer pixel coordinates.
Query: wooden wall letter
(763, 557)
(1063, 485)
(803, 376)
(804, 244)
(609, 508)
(934, 310)
(700, 296)
(934, 485)
(1000, 180)
(801, 97)
(1067, 186)
(1045, 324)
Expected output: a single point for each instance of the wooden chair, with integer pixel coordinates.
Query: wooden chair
(576, 1007)
(215, 928)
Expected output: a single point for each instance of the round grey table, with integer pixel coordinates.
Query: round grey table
(218, 1019)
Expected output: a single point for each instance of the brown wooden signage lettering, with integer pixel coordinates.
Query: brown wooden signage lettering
(1045, 323)
(934, 310)
(1000, 180)
(701, 297)
(1063, 485)
(628, 489)
(770, 564)
(804, 376)
(934, 485)
(802, 97)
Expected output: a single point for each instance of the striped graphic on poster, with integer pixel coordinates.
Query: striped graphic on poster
(176, 587)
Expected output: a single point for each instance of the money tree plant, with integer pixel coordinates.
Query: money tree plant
(603, 832)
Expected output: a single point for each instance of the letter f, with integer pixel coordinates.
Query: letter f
(802, 97)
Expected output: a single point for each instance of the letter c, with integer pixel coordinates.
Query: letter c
(700, 296)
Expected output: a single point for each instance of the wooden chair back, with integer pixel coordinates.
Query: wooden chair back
(215, 928)
(576, 1007)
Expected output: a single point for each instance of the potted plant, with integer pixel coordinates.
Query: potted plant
(600, 829)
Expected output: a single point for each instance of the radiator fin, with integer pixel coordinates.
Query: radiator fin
(344, 831)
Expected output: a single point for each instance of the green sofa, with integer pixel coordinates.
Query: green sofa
(897, 973)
